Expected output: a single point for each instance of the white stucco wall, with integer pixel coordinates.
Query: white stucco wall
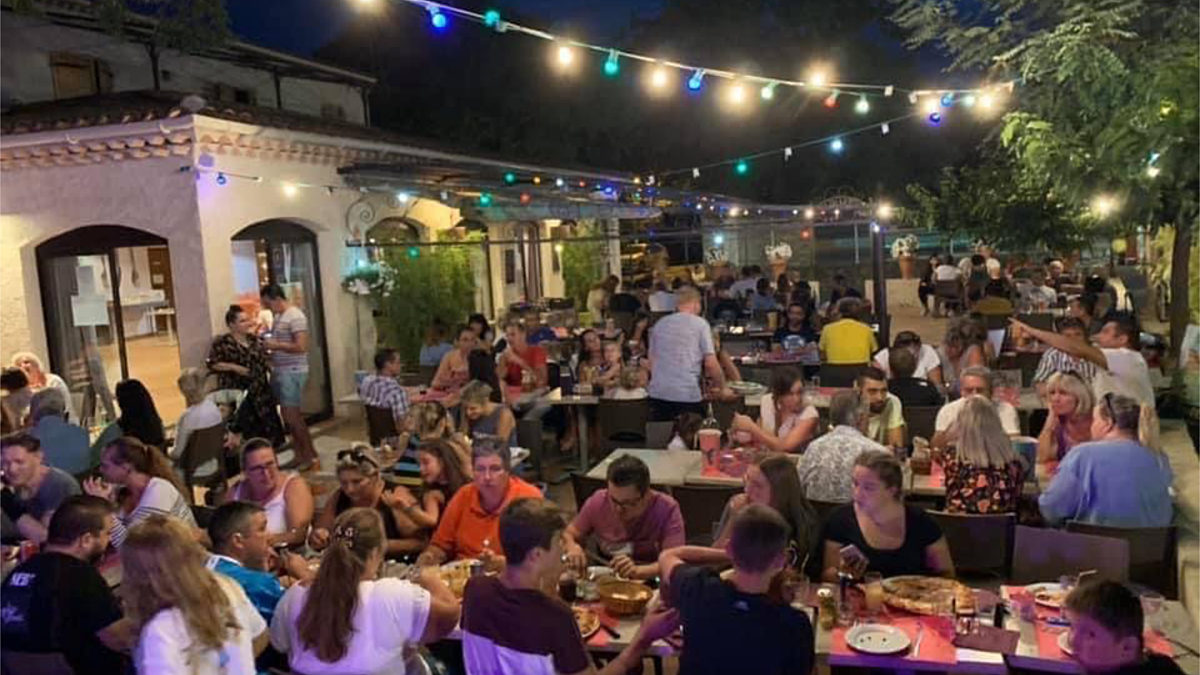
(26, 43)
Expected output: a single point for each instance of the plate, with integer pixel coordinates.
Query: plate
(1064, 643)
(1047, 594)
(587, 620)
(747, 387)
(877, 638)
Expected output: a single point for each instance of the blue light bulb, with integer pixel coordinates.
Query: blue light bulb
(491, 18)
(438, 19)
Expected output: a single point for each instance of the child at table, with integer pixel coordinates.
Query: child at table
(1106, 632)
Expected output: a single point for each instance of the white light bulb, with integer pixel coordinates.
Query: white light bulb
(658, 78)
(289, 190)
(1153, 171)
(816, 78)
(808, 213)
(737, 93)
(566, 55)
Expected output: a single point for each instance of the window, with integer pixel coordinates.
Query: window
(333, 111)
(77, 75)
(229, 94)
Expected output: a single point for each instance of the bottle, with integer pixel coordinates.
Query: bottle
(826, 608)
(709, 437)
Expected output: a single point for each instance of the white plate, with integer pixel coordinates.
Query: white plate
(1044, 586)
(876, 638)
(1064, 643)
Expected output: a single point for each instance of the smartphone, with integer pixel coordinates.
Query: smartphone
(850, 553)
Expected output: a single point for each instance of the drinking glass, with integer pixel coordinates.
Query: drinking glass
(873, 592)
(1152, 605)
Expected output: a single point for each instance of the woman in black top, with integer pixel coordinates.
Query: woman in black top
(240, 361)
(361, 485)
(892, 538)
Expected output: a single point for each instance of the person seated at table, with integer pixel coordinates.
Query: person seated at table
(435, 346)
(40, 380)
(361, 485)
(242, 552)
(349, 621)
(139, 419)
(928, 364)
(519, 358)
(661, 300)
(744, 286)
(626, 523)
(452, 372)
(1107, 628)
(996, 300)
(847, 341)
(381, 389)
(1121, 367)
(17, 392)
(772, 480)
(630, 387)
(470, 526)
(483, 332)
(1119, 479)
(32, 489)
(589, 357)
(285, 497)
(189, 619)
(983, 472)
(904, 383)
(57, 601)
(139, 479)
(798, 328)
(839, 289)
(482, 418)
(740, 624)
(430, 420)
(683, 431)
(762, 300)
(1041, 295)
(1057, 361)
(1069, 418)
(511, 626)
(827, 465)
(1083, 308)
(605, 375)
(882, 413)
(65, 445)
(787, 421)
(891, 537)
(974, 381)
(201, 413)
(442, 475)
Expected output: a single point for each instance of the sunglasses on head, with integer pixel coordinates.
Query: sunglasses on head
(356, 456)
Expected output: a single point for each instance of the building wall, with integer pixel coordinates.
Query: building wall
(26, 43)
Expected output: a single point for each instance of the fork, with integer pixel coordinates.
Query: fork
(916, 650)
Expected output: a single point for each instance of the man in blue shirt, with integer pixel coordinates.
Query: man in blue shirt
(64, 445)
(239, 536)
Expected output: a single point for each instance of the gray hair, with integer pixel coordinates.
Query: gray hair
(982, 373)
(849, 308)
(844, 409)
(476, 392)
(490, 448)
(47, 402)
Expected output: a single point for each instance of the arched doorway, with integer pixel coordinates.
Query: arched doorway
(284, 252)
(109, 304)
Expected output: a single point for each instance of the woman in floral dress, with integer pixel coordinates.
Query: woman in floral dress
(983, 472)
(240, 362)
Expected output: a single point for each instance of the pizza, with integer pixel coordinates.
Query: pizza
(1050, 597)
(920, 595)
(588, 621)
(455, 575)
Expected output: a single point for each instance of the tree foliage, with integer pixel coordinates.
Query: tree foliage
(180, 25)
(436, 284)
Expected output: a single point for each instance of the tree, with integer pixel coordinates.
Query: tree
(1107, 102)
(181, 25)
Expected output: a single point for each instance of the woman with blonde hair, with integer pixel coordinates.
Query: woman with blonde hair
(348, 620)
(983, 472)
(39, 379)
(201, 413)
(1069, 419)
(190, 620)
(139, 479)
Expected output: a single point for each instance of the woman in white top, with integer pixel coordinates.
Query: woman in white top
(39, 379)
(190, 620)
(347, 621)
(139, 479)
(201, 413)
(286, 497)
(787, 422)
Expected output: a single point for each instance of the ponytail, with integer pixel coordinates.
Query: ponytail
(146, 459)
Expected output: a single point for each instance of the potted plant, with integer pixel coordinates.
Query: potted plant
(778, 256)
(904, 250)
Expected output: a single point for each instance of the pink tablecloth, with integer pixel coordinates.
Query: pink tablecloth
(1048, 634)
(936, 645)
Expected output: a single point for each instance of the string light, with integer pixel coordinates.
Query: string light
(863, 106)
(930, 106)
(485, 199)
(659, 77)
(768, 91)
(808, 213)
(935, 119)
(884, 211)
(987, 101)
(402, 197)
(1104, 205)
(831, 100)
(221, 179)
(289, 190)
(718, 239)
(537, 180)
(816, 78)
(947, 100)
(1153, 171)
(526, 198)
(491, 18)
(436, 18)
(510, 178)
(836, 146)
(969, 100)
(696, 80)
(742, 167)
(737, 93)
(558, 182)
(566, 55)
(611, 66)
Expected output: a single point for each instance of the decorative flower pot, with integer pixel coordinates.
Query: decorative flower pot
(908, 266)
(778, 267)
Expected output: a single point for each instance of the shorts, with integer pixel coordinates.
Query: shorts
(289, 387)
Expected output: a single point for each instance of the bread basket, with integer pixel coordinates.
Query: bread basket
(623, 598)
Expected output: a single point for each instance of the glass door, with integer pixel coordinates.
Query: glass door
(285, 253)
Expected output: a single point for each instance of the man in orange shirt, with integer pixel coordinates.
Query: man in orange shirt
(470, 527)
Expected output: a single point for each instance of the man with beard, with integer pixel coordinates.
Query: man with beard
(57, 603)
(884, 418)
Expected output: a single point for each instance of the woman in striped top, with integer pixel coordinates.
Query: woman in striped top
(139, 479)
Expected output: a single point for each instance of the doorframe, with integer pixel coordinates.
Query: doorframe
(90, 240)
(284, 230)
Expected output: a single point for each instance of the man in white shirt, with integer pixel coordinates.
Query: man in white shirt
(947, 271)
(1041, 295)
(929, 365)
(974, 381)
(749, 281)
(1122, 367)
(661, 300)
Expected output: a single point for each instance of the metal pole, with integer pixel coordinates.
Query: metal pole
(881, 313)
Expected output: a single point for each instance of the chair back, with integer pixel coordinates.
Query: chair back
(29, 663)
(823, 509)
(951, 289)
(1153, 553)
(659, 434)
(920, 420)
(584, 487)
(204, 445)
(840, 375)
(1044, 555)
(702, 506)
(529, 436)
(381, 424)
(979, 542)
(723, 410)
(622, 423)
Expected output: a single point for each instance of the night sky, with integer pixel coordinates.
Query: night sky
(302, 26)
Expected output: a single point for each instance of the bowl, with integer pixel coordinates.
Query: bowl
(623, 598)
